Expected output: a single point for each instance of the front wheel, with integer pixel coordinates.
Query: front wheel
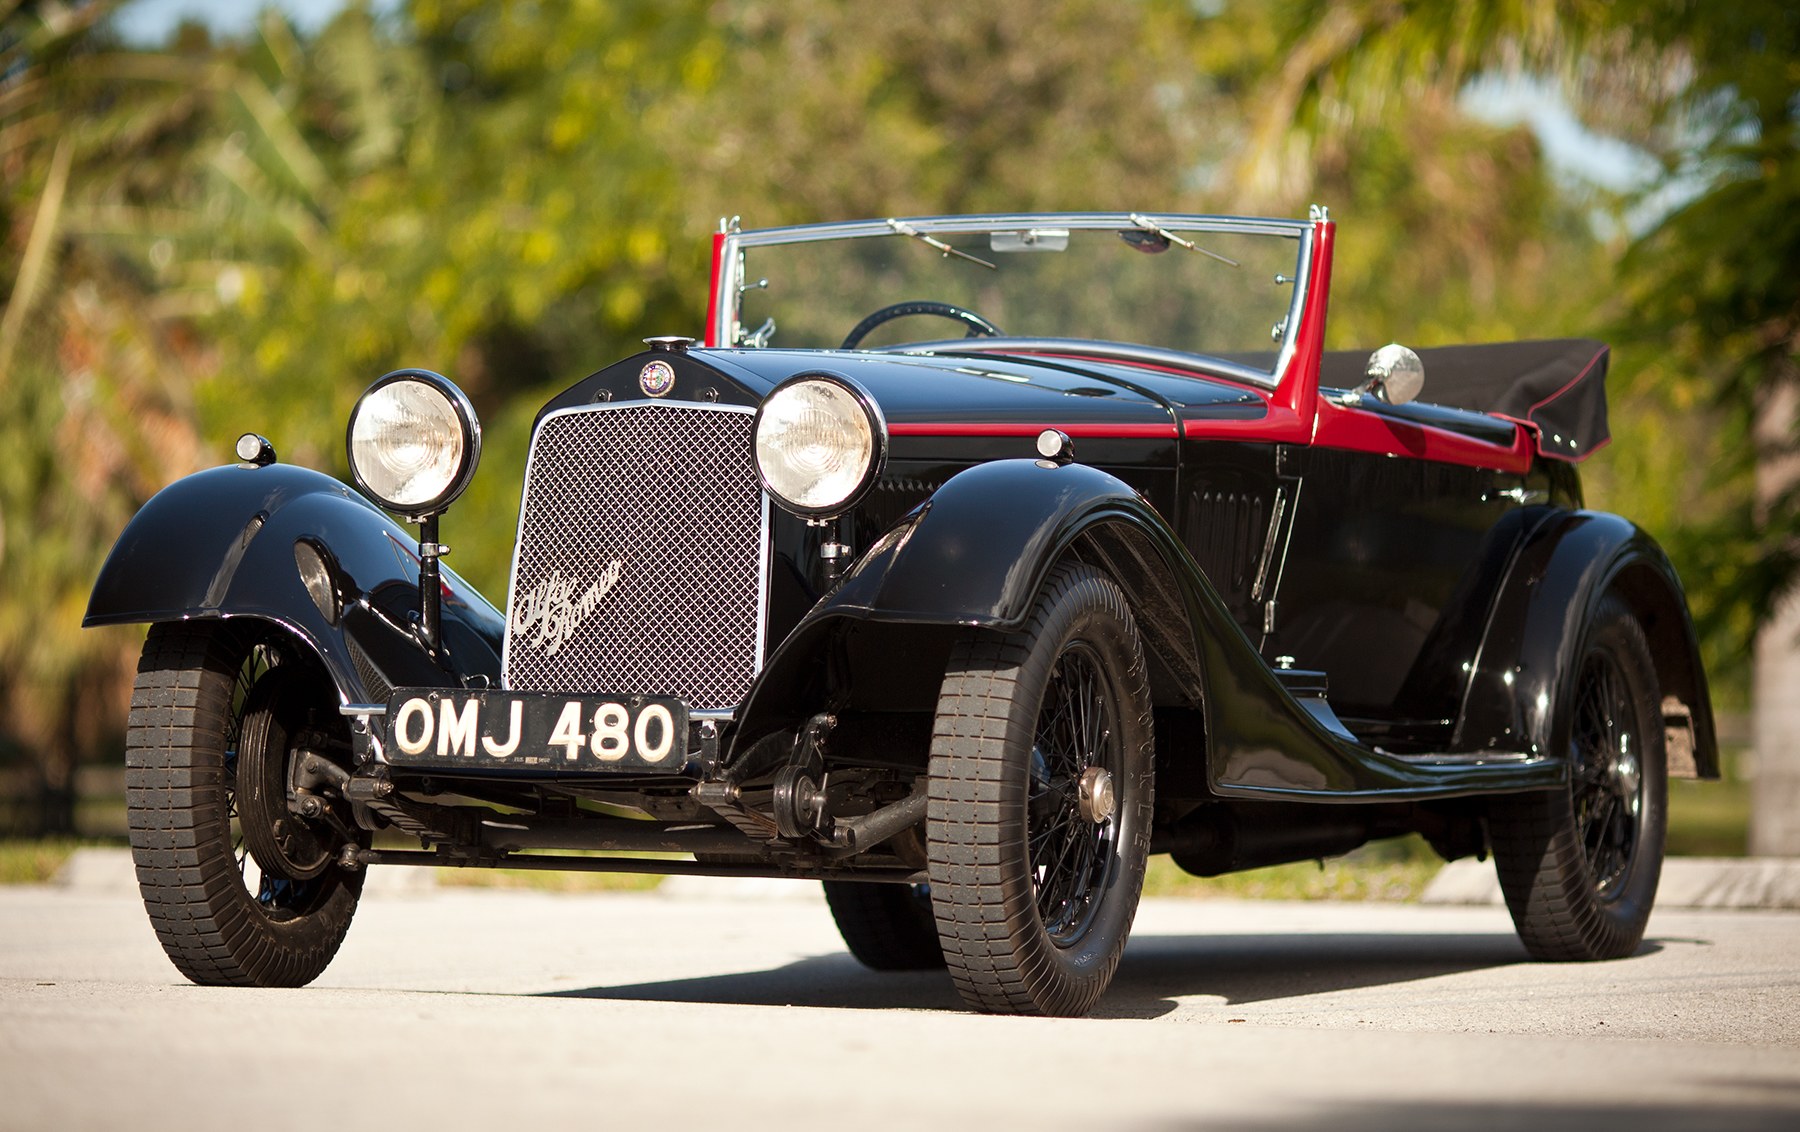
(1038, 825)
(1579, 866)
(240, 890)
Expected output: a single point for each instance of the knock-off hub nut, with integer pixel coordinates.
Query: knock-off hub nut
(1095, 794)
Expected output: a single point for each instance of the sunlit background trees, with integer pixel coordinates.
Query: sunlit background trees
(210, 235)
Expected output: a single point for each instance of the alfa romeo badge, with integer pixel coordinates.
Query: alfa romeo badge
(656, 378)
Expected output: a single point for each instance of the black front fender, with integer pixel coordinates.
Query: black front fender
(222, 543)
(1530, 653)
(977, 551)
(974, 554)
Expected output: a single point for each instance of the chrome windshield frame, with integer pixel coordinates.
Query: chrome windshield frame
(730, 278)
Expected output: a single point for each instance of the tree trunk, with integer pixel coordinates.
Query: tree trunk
(1775, 767)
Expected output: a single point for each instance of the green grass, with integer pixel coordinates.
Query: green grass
(539, 881)
(1395, 870)
(37, 860)
(1709, 819)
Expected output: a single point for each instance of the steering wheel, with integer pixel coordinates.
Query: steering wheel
(978, 327)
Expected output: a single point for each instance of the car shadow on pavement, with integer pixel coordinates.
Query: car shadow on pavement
(1262, 967)
(834, 980)
(1155, 973)
(1778, 1107)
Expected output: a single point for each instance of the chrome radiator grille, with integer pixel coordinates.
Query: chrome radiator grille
(639, 567)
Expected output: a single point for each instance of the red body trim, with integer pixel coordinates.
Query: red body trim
(712, 296)
(1099, 431)
(1354, 430)
(1295, 403)
(1277, 426)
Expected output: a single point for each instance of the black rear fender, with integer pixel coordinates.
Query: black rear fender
(228, 542)
(1531, 649)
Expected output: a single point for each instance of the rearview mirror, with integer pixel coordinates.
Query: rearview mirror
(1395, 373)
(1030, 240)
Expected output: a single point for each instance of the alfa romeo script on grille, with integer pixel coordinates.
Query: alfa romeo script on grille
(441, 728)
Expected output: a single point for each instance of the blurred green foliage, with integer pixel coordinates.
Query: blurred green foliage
(218, 236)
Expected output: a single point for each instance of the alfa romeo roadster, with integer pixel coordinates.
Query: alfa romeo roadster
(961, 564)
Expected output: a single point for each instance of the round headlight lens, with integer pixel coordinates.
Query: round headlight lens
(819, 444)
(414, 442)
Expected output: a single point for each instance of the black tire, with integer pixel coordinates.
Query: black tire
(1579, 866)
(1033, 898)
(211, 698)
(888, 927)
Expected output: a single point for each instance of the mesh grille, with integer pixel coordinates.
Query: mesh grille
(640, 558)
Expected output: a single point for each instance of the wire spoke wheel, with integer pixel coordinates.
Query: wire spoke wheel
(1071, 854)
(1607, 779)
(240, 889)
(1580, 866)
(1040, 801)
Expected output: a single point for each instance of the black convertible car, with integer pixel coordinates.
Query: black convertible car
(966, 562)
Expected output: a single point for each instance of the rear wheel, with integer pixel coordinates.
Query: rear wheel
(888, 927)
(239, 889)
(1040, 801)
(1580, 865)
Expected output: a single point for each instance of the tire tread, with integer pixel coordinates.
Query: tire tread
(1538, 855)
(987, 921)
(179, 827)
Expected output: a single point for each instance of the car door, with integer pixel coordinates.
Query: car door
(1403, 521)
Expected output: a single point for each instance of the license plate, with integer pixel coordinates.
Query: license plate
(446, 730)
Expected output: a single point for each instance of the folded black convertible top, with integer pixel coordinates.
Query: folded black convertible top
(1557, 385)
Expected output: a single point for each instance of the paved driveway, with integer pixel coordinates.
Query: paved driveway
(738, 1008)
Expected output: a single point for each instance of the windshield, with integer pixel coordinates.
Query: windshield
(1178, 285)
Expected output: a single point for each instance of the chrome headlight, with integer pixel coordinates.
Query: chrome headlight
(820, 443)
(414, 442)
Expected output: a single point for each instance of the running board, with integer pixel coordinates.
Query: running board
(1308, 687)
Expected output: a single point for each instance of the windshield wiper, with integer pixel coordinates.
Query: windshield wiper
(1150, 225)
(905, 229)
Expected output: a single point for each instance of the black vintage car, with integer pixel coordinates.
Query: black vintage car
(967, 562)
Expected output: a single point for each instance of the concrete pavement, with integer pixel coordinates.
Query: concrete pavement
(461, 1008)
(1687, 882)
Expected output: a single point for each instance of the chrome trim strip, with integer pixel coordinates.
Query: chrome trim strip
(362, 710)
(803, 233)
(1089, 348)
(1290, 342)
(762, 571)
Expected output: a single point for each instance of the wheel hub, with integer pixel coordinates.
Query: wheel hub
(1625, 776)
(285, 845)
(1096, 796)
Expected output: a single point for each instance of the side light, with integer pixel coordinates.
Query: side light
(820, 443)
(255, 450)
(413, 442)
(316, 576)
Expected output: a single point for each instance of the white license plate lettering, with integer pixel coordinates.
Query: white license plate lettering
(519, 728)
(657, 749)
(567, 734)
(611, 739)
(515, 731)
